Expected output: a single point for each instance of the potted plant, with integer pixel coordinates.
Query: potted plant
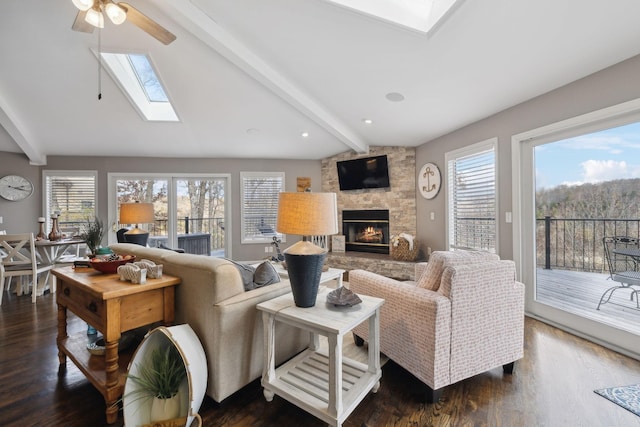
(159, 378)
(92, 234)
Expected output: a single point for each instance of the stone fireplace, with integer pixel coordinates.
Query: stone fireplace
(366, 230)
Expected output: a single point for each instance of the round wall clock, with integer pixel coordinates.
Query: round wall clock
(429, 180)
(15, 188)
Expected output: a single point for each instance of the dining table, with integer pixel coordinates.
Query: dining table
(52, 252)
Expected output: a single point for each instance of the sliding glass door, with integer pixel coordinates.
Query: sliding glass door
(575, 182)
(190, 210)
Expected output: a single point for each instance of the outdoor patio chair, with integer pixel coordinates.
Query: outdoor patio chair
(623, 259)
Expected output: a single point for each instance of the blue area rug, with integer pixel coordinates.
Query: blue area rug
(628, 397)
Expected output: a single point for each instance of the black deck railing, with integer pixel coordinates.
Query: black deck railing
(185, 226)
(576, 244)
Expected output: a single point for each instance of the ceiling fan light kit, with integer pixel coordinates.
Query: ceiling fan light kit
(91, 13)
(83, 5)
(116, 14)
(94, 17)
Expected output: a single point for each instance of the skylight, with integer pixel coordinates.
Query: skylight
(421, 15)
(137, 78)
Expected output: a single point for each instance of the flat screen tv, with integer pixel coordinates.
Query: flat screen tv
(366, 172)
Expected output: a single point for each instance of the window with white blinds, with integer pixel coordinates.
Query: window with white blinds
(71, 195)
(259, 205)
(472, 200)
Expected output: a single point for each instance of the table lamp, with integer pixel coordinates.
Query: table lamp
(136, 213)
(306, 214)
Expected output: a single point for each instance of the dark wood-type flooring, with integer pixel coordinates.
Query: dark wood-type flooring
(552, 385)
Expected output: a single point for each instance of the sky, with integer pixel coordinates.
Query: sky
(596, 157)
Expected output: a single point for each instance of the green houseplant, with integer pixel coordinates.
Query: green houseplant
(92, 234)
(159, 378)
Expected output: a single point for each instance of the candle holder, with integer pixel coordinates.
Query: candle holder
(55, 233)
(41, 234)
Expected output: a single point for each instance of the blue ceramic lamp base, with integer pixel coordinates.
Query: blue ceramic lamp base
(304, 275)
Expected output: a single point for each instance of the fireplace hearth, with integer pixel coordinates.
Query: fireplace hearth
(366, 230)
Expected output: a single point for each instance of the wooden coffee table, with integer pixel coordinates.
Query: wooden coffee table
(112, 307)
(324, 384)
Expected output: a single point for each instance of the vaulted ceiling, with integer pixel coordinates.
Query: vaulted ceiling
(247, 77)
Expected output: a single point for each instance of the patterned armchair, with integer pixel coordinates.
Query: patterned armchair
(463, 315)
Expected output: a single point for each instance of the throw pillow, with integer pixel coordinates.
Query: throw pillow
(439, 260)
(246, 271)
(265, 275)
(430, 278)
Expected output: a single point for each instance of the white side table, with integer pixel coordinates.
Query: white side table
(324, 384)
(326, 276)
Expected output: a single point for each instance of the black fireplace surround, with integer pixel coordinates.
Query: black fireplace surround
(366, 230)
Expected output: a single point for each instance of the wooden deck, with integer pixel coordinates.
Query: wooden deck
(579, 293)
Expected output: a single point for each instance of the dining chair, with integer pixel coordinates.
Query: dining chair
(623, 259)
(19, 258)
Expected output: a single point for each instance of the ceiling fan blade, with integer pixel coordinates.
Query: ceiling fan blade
(147, 24)
(80, 24)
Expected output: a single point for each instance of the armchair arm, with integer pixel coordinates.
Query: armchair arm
(415, 325)
(487, 317)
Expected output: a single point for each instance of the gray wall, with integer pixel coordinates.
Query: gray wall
(608, 87)
(22, 216)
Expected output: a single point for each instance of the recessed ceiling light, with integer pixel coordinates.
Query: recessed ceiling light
(367, 121)
(253, 131)
(394, 97)
(305, 134)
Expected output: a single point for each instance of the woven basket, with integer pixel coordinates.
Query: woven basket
(402, 252)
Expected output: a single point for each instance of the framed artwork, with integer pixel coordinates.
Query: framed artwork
(303, 183)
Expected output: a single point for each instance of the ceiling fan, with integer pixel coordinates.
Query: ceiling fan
(90, 16)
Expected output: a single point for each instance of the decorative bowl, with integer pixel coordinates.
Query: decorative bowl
(127, 340)
(97, 348)
(110, 266)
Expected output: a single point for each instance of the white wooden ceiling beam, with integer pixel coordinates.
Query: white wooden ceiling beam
(12, 125)
(194, 20)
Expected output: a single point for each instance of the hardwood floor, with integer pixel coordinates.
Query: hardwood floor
(552, 385)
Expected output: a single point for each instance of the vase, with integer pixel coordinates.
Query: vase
(55, 233)
(165, 409)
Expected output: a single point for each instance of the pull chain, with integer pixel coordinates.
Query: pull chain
(99, 64)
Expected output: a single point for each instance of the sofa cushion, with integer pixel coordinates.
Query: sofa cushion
(246, 271)
(265, 274)
(432, 276)
(256, 276)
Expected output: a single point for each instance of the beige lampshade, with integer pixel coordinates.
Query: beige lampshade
(136, 213)
(307, 214)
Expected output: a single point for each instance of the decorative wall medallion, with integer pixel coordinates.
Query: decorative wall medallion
(429, 180)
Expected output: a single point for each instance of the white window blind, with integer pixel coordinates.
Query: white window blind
(71, 195)
(472, 197)
(260, 205)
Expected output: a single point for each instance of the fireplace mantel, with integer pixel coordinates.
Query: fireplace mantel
(377, 263)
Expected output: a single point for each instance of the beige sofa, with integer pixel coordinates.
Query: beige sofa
(463, 315)
(212, 300)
